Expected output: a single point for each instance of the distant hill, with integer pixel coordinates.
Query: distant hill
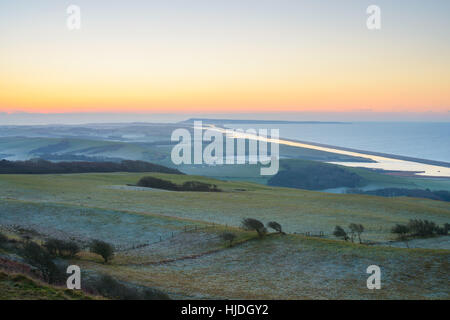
(312, 175)
(39, 166)
(440, 195)
(239, 121)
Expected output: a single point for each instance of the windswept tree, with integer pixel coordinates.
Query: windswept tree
(228, 236)
(275, 226)
(38, 257)
(3, 239)
(251, 224)
(422, 228)
(103, 249)
(339, 232)
(402, 233)
(62, 248)
(356, 228)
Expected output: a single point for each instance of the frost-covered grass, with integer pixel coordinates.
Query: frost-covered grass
(295, 267)
(296, 210)
(199, 264)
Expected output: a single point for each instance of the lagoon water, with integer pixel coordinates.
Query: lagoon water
(415, 139)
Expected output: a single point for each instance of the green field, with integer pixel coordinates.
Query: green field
(185, 257)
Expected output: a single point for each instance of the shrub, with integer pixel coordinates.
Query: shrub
(275, 226)
(421, 228)
(109, 287)
(3, 240)
(151, 182)
(446, 228)
(401, 230)
(103, 249)
(38, 257)
(358, 229)
(228, 236)
(251, 224)
(339, 232)
(199, 187)
(62, 248)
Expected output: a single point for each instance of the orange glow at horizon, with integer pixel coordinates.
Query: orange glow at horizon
(115, 64)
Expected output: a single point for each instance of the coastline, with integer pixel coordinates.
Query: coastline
(416, 167)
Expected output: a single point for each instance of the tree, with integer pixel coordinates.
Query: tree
(103, 249)
(62, 248)
(275, 226)
(356, 228)
(339, 232)
(251, 224)
(228, 236)
(37, 256)
(402, 232)
(421, 228)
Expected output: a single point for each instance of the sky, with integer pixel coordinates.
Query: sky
(234, 56)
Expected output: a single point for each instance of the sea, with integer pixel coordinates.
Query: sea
(424, 140)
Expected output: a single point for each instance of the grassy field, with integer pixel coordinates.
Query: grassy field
(297, 210)
(171, 240)
(19, 287)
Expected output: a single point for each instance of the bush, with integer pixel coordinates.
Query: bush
(3, 240)
(103, 249)
(152, 182)
(401, 230)
(109, 287)
(356, 228)
(228, 236)
(199, 187)
(62, 248)
(251, 224)
(446, 228)
(421, 228)
(339, 232)
(275, 226)
(38, 257)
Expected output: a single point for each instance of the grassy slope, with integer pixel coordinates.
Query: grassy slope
(288, 267)
(20, 287)
(297, 210)
(197, 263)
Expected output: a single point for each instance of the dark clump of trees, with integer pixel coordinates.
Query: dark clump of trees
(402, 192)
(251, 224)
(419, 228)
(62, 248)
(3, 240)
(228, 236)
(339, 232)
(109, 287)
(104, 249)
(152, 182)
(315, 176)
(40, 166)
(275, 226)
(355, 229)
(38, 257)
